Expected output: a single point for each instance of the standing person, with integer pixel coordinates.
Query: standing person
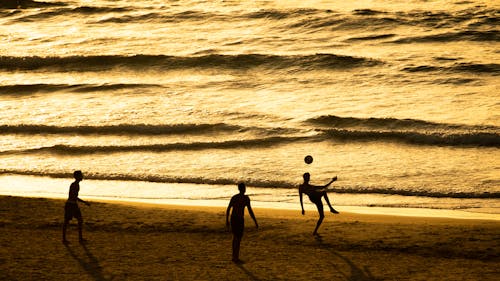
(71, 209)
(238, 203)
(315, 193)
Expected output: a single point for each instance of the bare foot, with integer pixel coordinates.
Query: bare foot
(334, 211)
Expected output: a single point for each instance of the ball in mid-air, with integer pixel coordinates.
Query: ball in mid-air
(308, 159)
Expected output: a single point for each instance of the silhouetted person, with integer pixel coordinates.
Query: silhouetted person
(238, 203)
(71, 209)
(315, 193)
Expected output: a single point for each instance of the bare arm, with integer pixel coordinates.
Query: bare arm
(250, 211)
(328, 184)
(319, 187)
(84, 202)
(301, 203)
(228, 210)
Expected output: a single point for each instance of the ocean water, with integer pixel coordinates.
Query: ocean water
(181, 100)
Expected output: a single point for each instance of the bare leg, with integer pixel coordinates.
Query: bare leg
(80, 226)
(319, 205)
(65, 225)
(236, 248)
(329, 205)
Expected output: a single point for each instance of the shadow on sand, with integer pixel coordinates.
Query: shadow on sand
(90, 264)
(247, 272)
(356, 274)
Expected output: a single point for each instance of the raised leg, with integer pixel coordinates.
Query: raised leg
(329, 205)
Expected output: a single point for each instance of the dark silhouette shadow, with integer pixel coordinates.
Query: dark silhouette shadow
(357, 274)
(90, 265)
(247, 272)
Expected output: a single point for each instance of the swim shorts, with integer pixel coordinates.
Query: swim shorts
(71, 210)
(237, 226)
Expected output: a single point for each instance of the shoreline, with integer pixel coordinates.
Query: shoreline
(162, 194)
(403, 213)
(140, 241)
(293, 208)
(359, 213)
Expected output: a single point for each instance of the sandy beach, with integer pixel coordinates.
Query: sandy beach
(147, 242)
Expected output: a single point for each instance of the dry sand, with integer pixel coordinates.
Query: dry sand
(145, 242)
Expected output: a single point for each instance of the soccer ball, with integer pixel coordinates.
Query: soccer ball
(308, 159)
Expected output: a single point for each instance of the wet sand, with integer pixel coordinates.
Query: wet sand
(132, 241)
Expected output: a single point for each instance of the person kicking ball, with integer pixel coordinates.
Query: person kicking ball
(315, 193)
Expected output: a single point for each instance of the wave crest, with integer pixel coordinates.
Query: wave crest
(15, 4)
(26, 89)
(478, 68)
(410, 131)
(122, 129)
(393, 123)
(235, 62)
(232, 144)
(465, 139)
(468, 35)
